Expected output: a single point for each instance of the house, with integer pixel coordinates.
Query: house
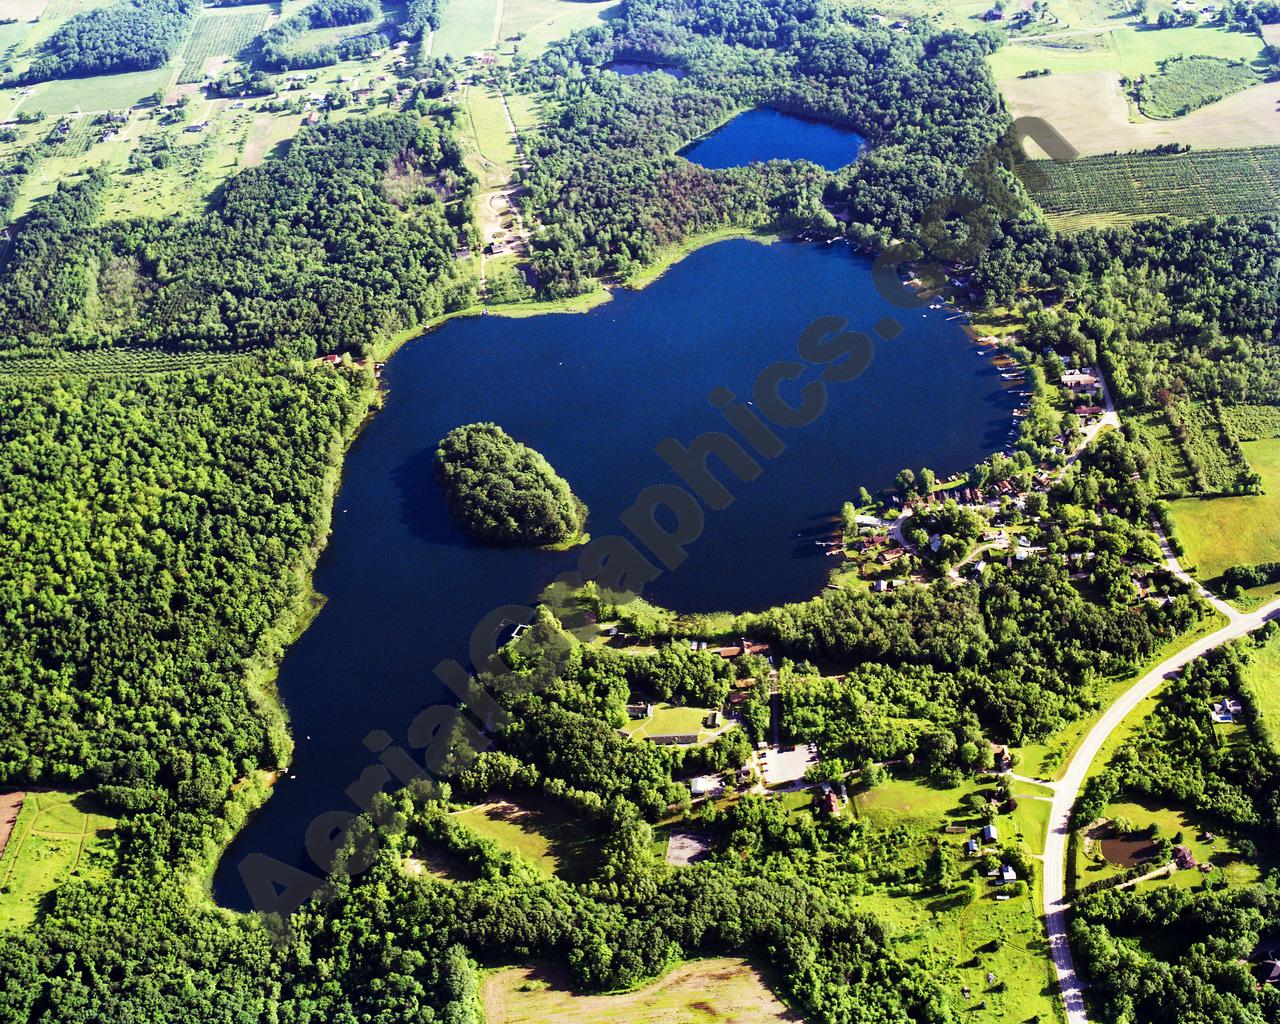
(1225, 712)
(971, 847)
(687, 739)
(1077, 379)
(831, 803)
(332, 360)
(989, 833)
(935, 542)
(1003, 762)
(744, 647)
(639, 711)
(712, 720)
(1184, 858)
(891, 556)
(705, 785)
(1007, 875)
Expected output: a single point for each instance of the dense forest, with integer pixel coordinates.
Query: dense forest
(1139, 299)
(337, 265)
(610, 190)
(151, 532)
(129, 35)
(502, 491)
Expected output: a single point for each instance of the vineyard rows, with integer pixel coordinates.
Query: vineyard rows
(219, 35)
(113, 363)
(1146, 184)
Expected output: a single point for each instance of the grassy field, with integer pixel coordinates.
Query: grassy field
(508, 25)
(720, 991)
(540, 22)
(1128, 51)
(467, 28)
(491, 151)
(668, 721)
(1172, 823)
(539, 833)
(104, 92)
(58, 837)
(1221, 532)
(1262, 683)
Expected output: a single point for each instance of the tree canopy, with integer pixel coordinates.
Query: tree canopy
(502, 491)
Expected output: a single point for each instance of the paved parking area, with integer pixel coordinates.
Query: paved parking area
(781, 765)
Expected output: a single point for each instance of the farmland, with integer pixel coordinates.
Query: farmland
(477, 25)
(58, 837)
(1127, 51)
(220, 33)
(727, 991)
(1131, 185)
(1220, 532)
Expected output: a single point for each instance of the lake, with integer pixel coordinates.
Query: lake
(595, 393)
(766, 134)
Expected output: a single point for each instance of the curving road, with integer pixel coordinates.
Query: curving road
(1067, 789)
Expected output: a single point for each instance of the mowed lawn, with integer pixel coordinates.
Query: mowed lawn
(58, 837)
(103, 92)
(539, 833)
(1220, 532)
(719, 991)
(668, 721)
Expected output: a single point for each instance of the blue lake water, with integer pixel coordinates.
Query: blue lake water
(765, 134)
(595, 393)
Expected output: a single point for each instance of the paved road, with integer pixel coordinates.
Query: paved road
(1067, 790)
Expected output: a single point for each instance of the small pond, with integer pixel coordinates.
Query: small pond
(766, 134)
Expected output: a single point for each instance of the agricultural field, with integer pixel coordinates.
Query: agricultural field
(467, 28)
(1217, 533)
(1126, 186)
(103, 92)
(720, 991)
(122, 363)
(540, 833)
(528, 25)
(220, 33)
(1184, 84)
(58, 837)
(1129, 52)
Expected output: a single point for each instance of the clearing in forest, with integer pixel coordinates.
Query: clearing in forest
(58, 837)
(719, 991)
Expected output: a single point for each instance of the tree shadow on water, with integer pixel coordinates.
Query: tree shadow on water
(422, 507)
